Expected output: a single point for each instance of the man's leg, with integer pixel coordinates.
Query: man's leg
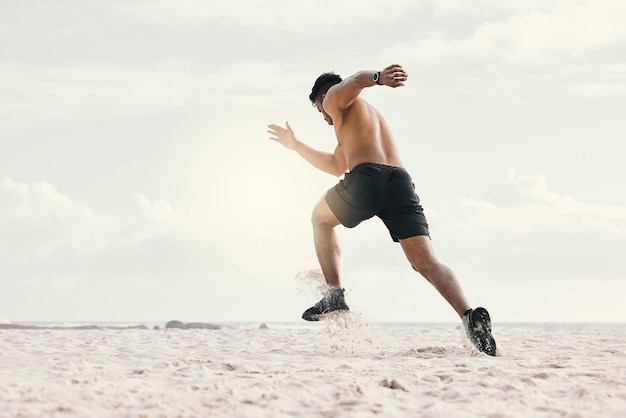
(327, 249)
(325, 239)
(420, 253)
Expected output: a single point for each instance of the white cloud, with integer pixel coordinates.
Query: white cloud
(90, 91)
(93, 91)
(485, 8)
(36, 219)
(573, 30)
(561, 50)
(534, 33)
(523, 231)
(47, 234)
(270, 16)
(522, 204)
(155, 213)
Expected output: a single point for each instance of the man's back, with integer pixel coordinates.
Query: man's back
(362, 132)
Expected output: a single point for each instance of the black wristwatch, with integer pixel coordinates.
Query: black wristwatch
(376, 78)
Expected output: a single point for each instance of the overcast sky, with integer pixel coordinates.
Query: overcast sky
(137, 181)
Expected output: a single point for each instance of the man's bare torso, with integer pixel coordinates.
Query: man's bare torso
(364, 136)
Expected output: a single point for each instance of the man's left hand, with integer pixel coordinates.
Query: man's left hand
(393, 76)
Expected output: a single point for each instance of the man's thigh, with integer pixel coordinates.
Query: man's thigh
(322, 214)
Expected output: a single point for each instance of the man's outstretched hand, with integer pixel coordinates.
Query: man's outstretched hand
(393, 76)
(283, 136)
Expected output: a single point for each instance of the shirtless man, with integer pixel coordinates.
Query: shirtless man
(376, 184)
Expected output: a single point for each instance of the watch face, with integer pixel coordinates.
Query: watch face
(376, 75)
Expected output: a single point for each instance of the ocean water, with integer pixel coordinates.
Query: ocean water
(618, 327)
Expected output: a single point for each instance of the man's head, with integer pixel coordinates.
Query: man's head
(321, 86)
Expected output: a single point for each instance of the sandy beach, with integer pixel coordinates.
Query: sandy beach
(340, 368)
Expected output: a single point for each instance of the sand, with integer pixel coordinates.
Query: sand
(340, 368)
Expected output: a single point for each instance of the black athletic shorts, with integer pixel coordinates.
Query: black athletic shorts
(379, 190)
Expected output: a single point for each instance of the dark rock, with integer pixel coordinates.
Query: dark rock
(264, 326)
(191, 325)
(201, 325)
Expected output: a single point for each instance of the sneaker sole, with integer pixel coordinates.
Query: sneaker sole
(324, 315)
(481, 324)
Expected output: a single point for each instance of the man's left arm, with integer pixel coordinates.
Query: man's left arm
(345, 93)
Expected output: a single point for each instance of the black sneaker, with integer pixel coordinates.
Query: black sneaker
(332, 301)
(477, 325)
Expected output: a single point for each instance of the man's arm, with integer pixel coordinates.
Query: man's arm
(342, 95)
(334, 163)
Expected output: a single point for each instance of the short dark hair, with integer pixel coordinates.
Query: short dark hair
(322, 84)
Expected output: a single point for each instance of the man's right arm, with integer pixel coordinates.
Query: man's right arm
(332, 163)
